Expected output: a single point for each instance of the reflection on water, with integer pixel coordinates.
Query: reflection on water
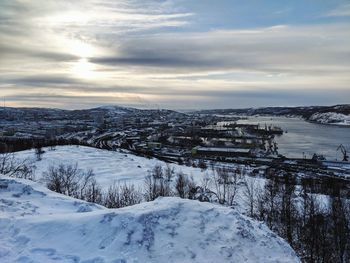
(308, 138)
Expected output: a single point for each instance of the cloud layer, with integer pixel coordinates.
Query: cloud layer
(77, 54)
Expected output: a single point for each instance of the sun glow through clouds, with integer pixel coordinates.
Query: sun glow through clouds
(81, 49)
(173, 52)
(84, 69)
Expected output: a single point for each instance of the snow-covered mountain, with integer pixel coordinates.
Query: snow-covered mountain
(331, 118)
(37, 225)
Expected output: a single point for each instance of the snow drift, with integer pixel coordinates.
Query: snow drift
(37, 225)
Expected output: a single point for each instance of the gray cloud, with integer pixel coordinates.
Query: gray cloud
(174, 99)
(299, 49)
(137, 60)
(151, 60)
(41, 81)
(74, 102)
(8, 51)
(31, 28)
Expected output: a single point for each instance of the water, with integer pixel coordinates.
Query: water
(306, 138)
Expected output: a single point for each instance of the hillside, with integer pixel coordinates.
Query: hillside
(108, 166)
(331, 118)
(166, 230)
(338, 114)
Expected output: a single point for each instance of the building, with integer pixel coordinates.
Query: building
(220, 152)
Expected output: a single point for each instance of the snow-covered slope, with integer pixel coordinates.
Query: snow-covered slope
(166, 230)
(22, 197)
(108, 166)
(331, 118)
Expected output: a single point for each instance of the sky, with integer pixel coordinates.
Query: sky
(176, 54)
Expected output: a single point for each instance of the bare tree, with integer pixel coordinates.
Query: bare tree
(340, 229)
(288, 209)
(86, 179)
(269, 202)
(226, 185)
(250, 193)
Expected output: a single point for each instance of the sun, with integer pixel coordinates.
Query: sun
(81, 49)
(84, 69)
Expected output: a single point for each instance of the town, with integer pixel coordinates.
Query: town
(192, 138)
(163, 133)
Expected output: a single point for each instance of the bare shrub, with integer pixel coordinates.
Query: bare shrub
(93, 192)
(156, 184)
(69, 180)
(169, 172)
(39, 153)
(12, 167)
(121, 196)
(182, 185)
(185, 187)
(202, 164)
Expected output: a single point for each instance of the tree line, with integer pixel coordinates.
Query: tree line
(9, 145)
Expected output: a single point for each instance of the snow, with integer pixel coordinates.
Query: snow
(108, 166)
(166, 230)
(116, 167)
(331, 118)
(20, 198)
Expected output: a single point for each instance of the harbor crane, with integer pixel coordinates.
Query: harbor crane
(343, 151)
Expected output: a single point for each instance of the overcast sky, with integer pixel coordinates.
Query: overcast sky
(177, 54)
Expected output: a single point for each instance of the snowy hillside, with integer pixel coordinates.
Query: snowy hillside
(331, 118)
(20, 198)
(166, 230)
(116, 167)
(109, 166)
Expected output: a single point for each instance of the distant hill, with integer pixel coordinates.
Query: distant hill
(338, 114)
(30, 114)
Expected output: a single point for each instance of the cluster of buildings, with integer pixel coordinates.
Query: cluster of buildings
(162, 133)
